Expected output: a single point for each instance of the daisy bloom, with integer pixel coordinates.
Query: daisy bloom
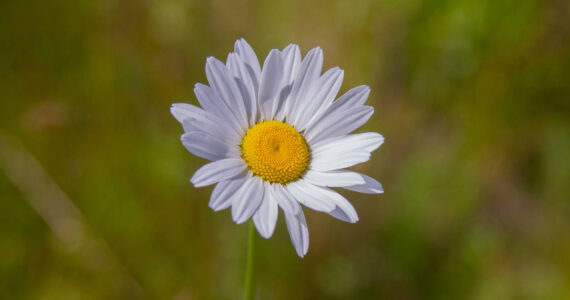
(276, 137)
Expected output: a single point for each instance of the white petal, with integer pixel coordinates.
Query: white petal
(244, 50)
(298, 231)
(344, 210)
(312, 196)
(265, 217)
(308, 76)
(367, 141)
(371, 186)
(342, 152)
(317, 197)
(339, 123)
(187, 114)
(194, 118)
(206, 146)
(247, 199)
(334, 178)
(217, 171)
(340, 109)
(224, 85)
(339, 162)
(270, 84)
(321, 97)
(245, 83)
(354, 97)
(285, 200)
(223, 193)
(291, 64)
(207, 99)
(182, 111)
(212, 103)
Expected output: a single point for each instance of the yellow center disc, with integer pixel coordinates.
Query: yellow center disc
(275, 151)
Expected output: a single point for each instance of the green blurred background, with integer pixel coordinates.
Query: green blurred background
(472, 96)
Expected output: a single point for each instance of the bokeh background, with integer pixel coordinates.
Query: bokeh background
(472, 96)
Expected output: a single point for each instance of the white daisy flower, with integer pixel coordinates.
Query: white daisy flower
(276, 137)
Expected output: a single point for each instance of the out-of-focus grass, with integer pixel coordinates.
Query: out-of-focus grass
(472, 96)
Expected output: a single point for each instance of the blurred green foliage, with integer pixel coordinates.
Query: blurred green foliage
(472, 96)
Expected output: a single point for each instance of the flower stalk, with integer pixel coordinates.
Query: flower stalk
(250, 264)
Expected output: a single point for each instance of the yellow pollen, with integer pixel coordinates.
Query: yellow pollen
(275, 151)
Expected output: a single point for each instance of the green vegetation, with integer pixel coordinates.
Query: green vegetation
(472, 96)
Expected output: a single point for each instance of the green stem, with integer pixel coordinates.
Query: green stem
(250, 263)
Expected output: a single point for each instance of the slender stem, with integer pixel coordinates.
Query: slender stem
(250, 263)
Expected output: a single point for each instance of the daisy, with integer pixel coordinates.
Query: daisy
(276, 137)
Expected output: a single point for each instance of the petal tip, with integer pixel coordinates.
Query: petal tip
(274, 50)
(212, 60)
(265, 235)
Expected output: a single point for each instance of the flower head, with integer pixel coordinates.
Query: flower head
(276, 137)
